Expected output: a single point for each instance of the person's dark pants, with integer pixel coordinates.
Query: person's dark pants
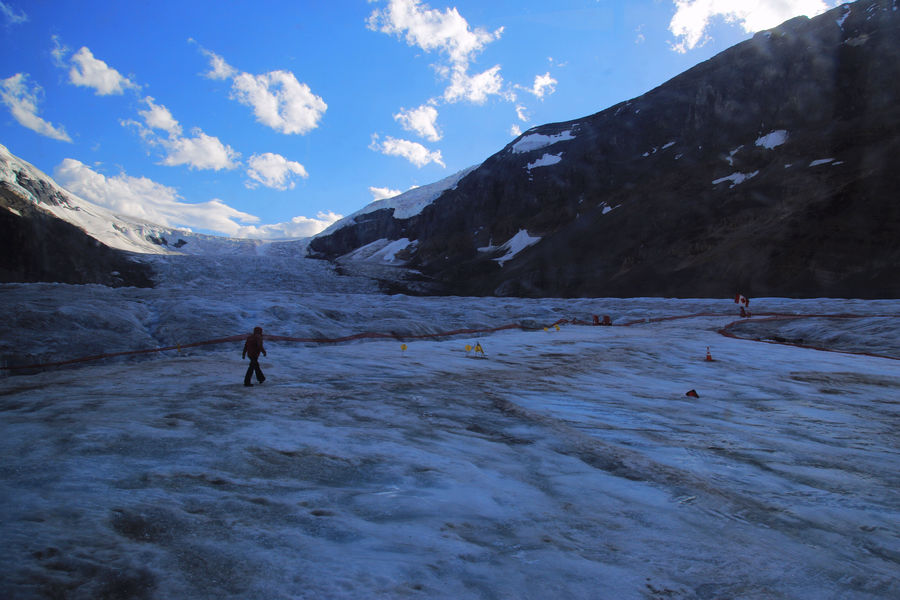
(254, 366)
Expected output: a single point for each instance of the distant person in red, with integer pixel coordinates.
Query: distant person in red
(252, 347)
(742, 301)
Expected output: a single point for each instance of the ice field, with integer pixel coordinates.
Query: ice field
(565, 464)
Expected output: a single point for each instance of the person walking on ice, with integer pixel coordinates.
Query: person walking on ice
(252, 347)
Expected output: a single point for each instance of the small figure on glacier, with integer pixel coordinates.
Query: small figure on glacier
(742, 301)
(252, 348)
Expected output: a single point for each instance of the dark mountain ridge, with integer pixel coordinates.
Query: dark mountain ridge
(772, 169)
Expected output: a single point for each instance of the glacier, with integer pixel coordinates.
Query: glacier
(567, 463)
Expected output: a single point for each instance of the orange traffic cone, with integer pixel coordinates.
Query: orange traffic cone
(709, 357)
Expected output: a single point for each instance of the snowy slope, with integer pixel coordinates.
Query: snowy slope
(405, 205)
(117, 231)
(567, 464)
(98, 222)
(513, 246)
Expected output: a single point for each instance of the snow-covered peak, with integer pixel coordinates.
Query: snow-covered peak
(405, 205)
(115, 231)
(39, 188)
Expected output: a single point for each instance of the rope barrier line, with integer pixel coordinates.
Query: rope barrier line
(787, 317)
(275, 338)
(233, 338)
(375, 335)
(674, 318)
(773, 316)
(394, 335)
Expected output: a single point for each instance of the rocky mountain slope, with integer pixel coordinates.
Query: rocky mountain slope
(50, 234)
(771, 169)
(36, 246)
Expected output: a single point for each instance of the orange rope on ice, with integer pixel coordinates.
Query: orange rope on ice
(786, 317)
(233, 338)
(725, 331)
(276, 338)
(772, 316)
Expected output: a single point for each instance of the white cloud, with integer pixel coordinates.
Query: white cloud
(521, 113)
(274, 171)
(559, 65)
(278, 100)
(11, 16)
(543, 84)
(475, 88)
(298, 227)
(383, 193)
(219, 69)
(422, 120)
(639, 38)
(91, 72)
(59, 52)
(692, 17)
(22, 101)
(144, 199)
(199, 152)
(515, 130)
(449, 34)
(158, 117)
(429, 29)
(414, 152)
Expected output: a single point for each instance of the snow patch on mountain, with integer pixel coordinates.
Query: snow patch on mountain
(545, 161)
(731, 154)
(606, 208)
(656, 149)
(382, 251)
(772, 139)
(840, 21)
(536, 141)
(513, 246)
(736, 178)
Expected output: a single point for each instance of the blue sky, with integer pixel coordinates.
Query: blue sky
(271, 119)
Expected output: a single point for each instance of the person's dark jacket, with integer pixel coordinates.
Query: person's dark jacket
(254, 345)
